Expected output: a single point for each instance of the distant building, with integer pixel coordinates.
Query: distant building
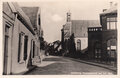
(102, 41)
(77, 29)
(67, 27)
(19, 40)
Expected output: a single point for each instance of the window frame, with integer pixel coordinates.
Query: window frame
(21, 47)
(111, 20)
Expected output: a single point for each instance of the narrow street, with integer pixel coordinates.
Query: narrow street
(67, 38)
(55, 65)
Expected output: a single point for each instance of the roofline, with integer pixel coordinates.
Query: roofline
(29, 25)
(12, 7)
(109, 13)
(94, 27)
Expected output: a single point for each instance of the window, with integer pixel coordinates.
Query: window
(78, 44)
(25, 47)
(112, 23)
(96, 29)
(7, 30)
(108, 25)
(21, 47)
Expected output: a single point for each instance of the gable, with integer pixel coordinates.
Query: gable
(80, 27)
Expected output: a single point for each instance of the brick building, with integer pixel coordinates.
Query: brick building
(108, 21)
(94, 42)
(103, 44)
(19, 40)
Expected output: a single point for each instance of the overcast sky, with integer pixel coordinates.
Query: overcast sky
(53, 13)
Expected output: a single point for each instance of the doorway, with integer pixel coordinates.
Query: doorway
(7, 49)
(78, 45)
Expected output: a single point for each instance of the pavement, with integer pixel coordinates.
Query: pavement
(56, 65)
(25, 71)
(96, 64)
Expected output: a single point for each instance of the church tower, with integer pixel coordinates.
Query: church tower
(68, 16)
(68, 23)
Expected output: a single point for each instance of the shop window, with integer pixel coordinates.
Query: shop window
(111, 48)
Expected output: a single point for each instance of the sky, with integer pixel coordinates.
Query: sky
(53, 13)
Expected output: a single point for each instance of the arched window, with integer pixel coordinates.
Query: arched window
(78, 44)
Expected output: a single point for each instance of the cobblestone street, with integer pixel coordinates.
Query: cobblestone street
(55, 65)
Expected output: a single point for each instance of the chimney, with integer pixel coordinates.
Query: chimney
(111, 4)
(104, 10)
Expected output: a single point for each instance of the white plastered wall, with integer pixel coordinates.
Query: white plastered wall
(84, 42)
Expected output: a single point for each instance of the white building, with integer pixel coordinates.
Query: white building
(79, 29)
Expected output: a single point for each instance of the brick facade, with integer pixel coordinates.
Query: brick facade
(107, 37)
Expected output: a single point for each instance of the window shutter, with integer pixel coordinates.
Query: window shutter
(33, 49)
(25, 47)
(19, 47)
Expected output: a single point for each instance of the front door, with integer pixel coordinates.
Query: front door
(97, 51)
(7, 49)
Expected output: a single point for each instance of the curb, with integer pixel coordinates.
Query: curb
(24, 72)
(29, 70)
(82, 61)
